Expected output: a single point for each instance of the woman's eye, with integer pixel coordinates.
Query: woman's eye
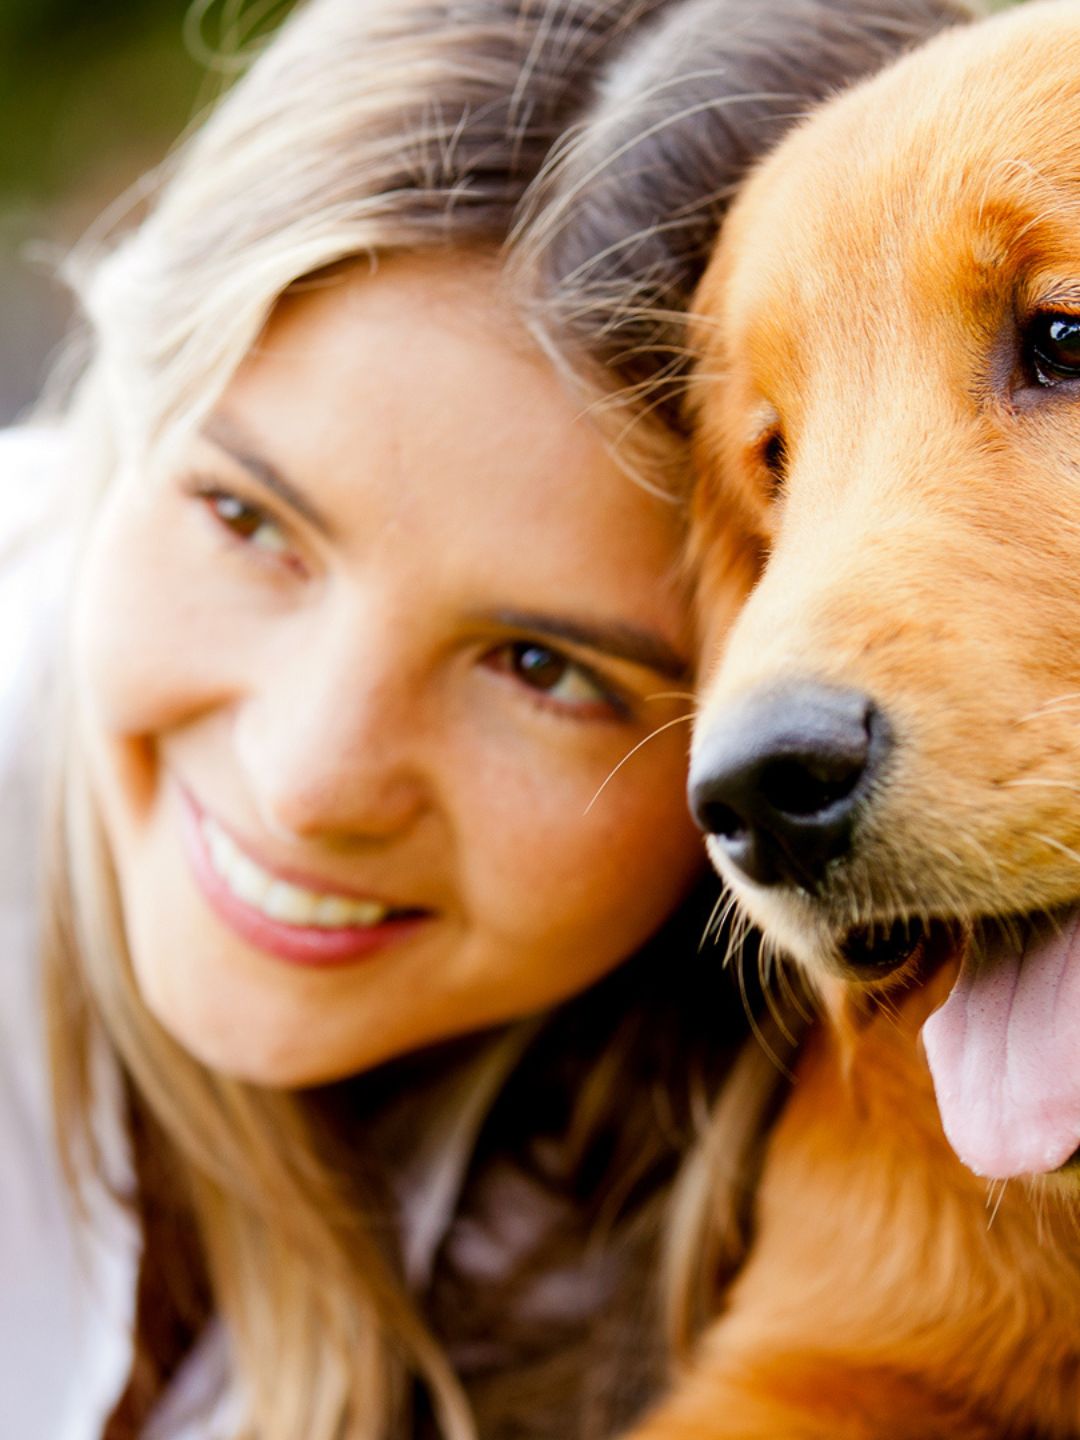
(1052, 347)
(247, 522)
(554, 676)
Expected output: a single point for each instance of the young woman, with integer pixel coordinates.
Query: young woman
(356, 671)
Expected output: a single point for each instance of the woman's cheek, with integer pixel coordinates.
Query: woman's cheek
(148, 642)
(560, 864)
(648, 852)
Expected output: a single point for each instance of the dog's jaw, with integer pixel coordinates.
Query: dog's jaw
(789, 921)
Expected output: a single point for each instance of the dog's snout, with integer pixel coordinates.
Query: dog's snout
(778, 780)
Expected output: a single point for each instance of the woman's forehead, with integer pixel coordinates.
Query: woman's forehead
(417, 384)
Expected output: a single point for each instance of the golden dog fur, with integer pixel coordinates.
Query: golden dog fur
(870, 427)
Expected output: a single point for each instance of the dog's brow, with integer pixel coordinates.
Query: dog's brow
(1066, 294)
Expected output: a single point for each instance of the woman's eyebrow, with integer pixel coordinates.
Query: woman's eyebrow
(223, 433)
(610, 637)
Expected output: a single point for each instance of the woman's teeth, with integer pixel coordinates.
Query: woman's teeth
(278, 899)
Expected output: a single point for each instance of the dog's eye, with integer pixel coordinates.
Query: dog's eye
(774, 458)
(1052, 345)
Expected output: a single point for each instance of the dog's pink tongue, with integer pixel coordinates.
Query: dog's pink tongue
(1004, 1051)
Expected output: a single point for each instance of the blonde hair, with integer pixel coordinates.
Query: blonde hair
(366, 127)
(615, 235)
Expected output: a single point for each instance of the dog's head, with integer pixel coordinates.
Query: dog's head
(888, 410)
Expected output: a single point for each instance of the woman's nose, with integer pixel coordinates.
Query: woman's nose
(334, 749)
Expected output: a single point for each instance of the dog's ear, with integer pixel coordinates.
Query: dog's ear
(628, 209)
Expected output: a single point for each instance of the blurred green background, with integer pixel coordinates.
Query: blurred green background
(92, 94)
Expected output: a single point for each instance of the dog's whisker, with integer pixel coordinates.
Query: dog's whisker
(887, 1007)
(709, 931)
(736, 941)
(950, 862)
(1072, 697)
(993, 868)
(791, 995)
(755, 1027)
(740, 934)
(1035, 783)
(1058, 845)
(670, 724)
(767, 968)
(997, 1204)
(717, 921)
(687, 695)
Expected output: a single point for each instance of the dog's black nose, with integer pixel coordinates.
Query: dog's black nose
(778, 779)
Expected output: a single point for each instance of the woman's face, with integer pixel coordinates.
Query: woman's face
(356, 667)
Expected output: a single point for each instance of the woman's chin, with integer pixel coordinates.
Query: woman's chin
(231, 1018)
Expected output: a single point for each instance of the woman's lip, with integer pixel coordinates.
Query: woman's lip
(317, 883)
(304, 945)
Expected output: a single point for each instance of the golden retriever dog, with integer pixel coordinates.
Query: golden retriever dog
(887, 758)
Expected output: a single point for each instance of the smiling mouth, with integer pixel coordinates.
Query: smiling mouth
(281, 917)
(281, 900)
